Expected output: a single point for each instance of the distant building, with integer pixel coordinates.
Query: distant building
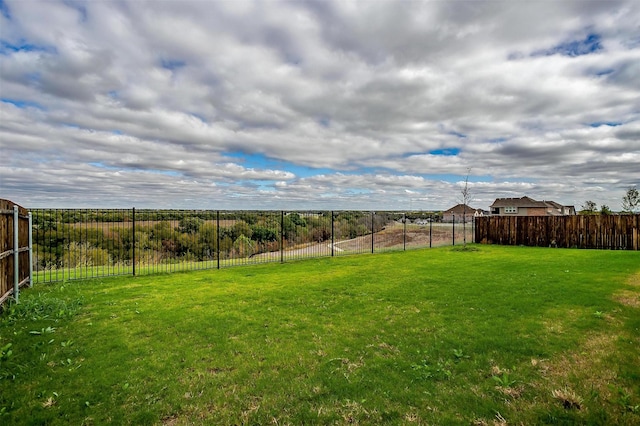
(460, 212)
(527, 206)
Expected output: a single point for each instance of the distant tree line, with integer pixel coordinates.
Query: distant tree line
(74, 238)
(630, 204)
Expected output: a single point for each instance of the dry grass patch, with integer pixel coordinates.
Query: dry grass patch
(582, 378)
(569, 399)
(558, 322)
(497, 421)
(634, 280)
(588, 364)
(628, 298)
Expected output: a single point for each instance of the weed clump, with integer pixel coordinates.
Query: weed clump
(570, 400)
(42, 306)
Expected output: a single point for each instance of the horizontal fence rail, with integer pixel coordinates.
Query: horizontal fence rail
(85, 243)
(615, 232)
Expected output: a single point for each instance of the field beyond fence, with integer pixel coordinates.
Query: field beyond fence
(616, 232)
(82, 243)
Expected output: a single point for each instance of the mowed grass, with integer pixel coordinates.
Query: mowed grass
(492, 335)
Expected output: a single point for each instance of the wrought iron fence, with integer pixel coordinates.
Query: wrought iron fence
(86, 243)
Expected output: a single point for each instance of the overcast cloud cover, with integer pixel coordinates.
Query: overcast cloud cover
(317, 104)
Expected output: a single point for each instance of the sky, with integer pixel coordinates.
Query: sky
(303, 105)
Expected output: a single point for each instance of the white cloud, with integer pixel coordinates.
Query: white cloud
(339, 104)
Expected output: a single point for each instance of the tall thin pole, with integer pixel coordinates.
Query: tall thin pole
(16, 254)
(282, 236)
(30, 250)
(404, 231)
(332, 234)
(218, 235)
(453, 229)
(430, 230)
(372, 216)
(133, 240)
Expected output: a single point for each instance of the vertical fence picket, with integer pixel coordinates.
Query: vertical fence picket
(613, 232)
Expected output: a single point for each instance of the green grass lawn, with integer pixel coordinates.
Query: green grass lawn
(493, 335)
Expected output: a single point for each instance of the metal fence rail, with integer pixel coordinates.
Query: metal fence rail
(84, 243)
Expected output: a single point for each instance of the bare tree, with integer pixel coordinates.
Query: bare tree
(631, 200)
(466, 198)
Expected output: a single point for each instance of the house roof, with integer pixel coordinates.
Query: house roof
(460, 209)
(518, 202)
(554, 204)
(552, 207)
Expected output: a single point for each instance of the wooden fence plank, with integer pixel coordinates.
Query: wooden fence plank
(7, 245)
(613, 232)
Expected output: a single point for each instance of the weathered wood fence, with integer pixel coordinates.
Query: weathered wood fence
(15, 253)
(614, 232)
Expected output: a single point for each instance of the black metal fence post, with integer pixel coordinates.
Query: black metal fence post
(372, 229)
(430, 230)
(332, 234)
(453, 229)
(282, 236)
(133, 239)
(218, 236)
(404, 231)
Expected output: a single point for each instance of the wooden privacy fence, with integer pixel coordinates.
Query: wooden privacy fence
(615, 232)
(15, 249)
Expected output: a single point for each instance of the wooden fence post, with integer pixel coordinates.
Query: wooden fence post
(16, 254)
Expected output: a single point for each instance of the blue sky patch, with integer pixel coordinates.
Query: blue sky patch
(605, 123)
(4, 9)
(263, 185)
(458, 134)
(198, 116)
(607, 71)
(590, 44)
(7, 48)
(172, 64)
(324, 122)
(448, 152)
(22, 103)
(260, 161)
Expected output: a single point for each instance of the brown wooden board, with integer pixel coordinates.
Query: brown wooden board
(613, 232)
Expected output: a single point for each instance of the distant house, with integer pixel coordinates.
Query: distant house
(527, 206)
(460, 211)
